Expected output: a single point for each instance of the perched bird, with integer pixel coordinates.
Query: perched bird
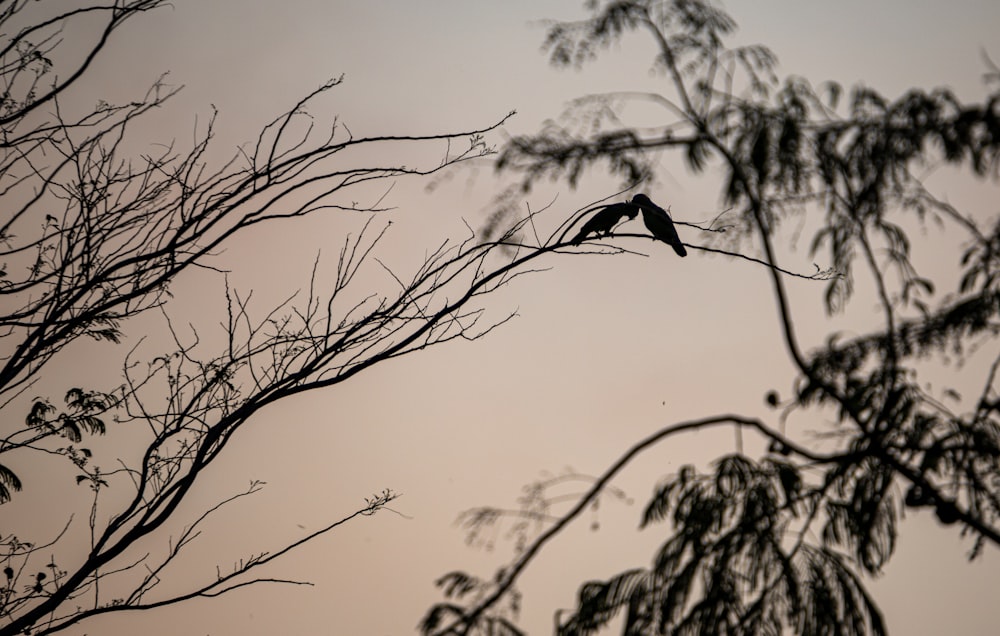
(604, 221)
(659, 223)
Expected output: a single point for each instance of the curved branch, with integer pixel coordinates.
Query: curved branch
(462, 625)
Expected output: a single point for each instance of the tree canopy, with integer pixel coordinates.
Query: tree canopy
(786, 541)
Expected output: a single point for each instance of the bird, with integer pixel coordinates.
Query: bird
(659, 223)
(604, 221)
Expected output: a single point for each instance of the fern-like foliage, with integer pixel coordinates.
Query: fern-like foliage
(735, 563)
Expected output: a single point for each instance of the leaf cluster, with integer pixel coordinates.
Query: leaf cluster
(729, 566)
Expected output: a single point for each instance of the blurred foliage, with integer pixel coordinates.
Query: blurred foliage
(783, 543)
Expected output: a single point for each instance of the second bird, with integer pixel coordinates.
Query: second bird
(659, 223)
(604, 221)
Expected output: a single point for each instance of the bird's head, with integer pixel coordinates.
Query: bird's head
(642, 200)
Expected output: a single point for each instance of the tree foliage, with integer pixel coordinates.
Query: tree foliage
(785, 542)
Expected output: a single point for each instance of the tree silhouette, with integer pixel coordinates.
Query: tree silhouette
(93, 237)
(785, 542)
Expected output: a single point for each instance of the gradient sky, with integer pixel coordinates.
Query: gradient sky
(604, 351)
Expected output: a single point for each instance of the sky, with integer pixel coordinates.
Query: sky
(602, 353)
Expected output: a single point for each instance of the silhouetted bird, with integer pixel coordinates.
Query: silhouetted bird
(659, 223)
(604, 221)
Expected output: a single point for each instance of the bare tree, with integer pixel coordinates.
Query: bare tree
(784, 542)
(92, 236)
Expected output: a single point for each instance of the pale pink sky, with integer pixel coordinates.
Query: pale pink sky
(470, 423)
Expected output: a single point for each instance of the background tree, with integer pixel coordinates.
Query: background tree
(94, 235)
(785, 541)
